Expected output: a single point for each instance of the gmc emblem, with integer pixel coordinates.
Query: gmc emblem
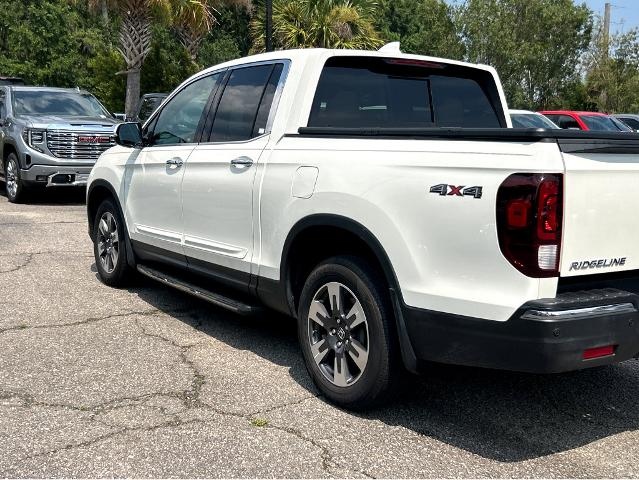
(93, 139)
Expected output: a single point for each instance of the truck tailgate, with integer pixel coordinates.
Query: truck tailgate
(601, 206)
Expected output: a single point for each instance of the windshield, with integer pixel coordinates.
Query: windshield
(73, 104)
(530, 120)
(601, 123)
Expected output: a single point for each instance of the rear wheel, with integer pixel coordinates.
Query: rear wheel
(345, 328)
(110, 246)
(13, 183)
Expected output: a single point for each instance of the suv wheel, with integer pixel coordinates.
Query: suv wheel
(345, 328)
(13, 182)
(110, 246)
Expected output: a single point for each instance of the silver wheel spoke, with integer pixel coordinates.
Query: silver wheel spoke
(355, 317)
(116, 237)
(358, 354)
(335, 297)
(114, 258)
(340, 371)
(319, 351)
(101, 248)
(318, 314)
(103, 227)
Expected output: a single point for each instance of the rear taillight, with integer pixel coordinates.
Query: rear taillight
(529, 219)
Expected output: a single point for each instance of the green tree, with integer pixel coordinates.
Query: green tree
(535, 46)
(612, 80)
(423, 27)
(136, 31)
(319, 23)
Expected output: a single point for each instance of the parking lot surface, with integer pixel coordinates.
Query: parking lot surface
(148, 382)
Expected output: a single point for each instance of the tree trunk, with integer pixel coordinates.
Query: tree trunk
(105, 12)
(132, 93)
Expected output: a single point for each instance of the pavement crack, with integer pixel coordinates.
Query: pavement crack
(25, 263)
(86, 321)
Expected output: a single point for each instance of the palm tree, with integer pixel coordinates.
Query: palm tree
(319, 23)
(193, 20)
(136, 18)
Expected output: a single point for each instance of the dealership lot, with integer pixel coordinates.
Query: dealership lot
(151, 382)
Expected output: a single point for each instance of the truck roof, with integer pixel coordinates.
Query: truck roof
(23, 88)
(323, 53)
(572, 112)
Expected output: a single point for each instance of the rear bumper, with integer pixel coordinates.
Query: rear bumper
(56, 175)
(544, 336)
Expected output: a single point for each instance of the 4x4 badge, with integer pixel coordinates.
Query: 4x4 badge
(444, 189)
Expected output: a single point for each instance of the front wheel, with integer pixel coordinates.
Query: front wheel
(345, 328)
(110, 246)
(13, 183)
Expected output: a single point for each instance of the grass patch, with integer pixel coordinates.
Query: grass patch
(259, 422)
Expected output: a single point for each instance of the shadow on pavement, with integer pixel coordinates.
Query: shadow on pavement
(503, 416)
(53, 196)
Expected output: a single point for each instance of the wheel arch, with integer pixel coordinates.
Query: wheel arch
(98, 191)
(360, 241)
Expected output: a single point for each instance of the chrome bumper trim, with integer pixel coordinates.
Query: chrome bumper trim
(577, 313)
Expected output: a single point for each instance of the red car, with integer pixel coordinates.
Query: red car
(585, 121)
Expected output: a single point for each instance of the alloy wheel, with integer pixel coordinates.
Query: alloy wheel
(338, 334)
(12, 178)
(108, 242)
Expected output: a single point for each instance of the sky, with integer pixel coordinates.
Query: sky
(624, 16)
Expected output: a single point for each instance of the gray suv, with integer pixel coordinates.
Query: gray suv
(50, 137)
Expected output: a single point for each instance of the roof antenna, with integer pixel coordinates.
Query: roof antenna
(392, 47)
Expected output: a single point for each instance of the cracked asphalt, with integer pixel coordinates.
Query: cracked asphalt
(148, 382)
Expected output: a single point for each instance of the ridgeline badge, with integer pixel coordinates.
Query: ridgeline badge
(601, 263)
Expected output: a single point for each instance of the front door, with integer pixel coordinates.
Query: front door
(219, 180)
(153, 176)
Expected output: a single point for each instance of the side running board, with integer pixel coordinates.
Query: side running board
(231, 304)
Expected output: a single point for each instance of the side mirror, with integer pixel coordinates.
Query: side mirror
(129, 135)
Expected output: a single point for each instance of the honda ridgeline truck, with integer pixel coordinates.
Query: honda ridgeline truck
(382, 200)
(50, 137)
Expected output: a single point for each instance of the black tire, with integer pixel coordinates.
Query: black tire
(14, 186)
(116, 273)
(374, 383)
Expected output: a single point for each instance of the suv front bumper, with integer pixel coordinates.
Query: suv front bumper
(543, 336)
(56, 175)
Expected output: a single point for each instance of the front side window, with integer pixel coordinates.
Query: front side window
(245, 103)
(179, 119)
(359, 92)
(57, 102)
(567, 122)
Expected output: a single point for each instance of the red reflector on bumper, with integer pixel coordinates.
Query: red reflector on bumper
(599, 352)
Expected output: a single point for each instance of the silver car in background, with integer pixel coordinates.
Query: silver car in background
(50, 137)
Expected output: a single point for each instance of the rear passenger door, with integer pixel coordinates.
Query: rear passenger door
(217, 190)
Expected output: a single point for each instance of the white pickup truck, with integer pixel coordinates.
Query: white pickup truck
(382, 200)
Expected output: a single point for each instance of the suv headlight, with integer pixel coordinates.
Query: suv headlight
(35, 138)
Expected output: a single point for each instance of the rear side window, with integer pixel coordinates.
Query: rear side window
(631, 122)
(359, 92)
(245, 103)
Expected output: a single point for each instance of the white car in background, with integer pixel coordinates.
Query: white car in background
(528, 119)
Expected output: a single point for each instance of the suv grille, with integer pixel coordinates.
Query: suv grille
(90, 145)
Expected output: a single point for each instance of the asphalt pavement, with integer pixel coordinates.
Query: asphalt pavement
(149, 382)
